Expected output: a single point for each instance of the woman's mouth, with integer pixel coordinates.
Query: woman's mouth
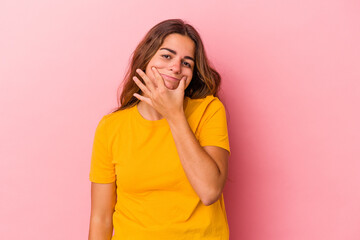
(167, 77)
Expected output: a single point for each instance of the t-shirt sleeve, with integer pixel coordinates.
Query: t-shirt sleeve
(102, 170)
(213, 126)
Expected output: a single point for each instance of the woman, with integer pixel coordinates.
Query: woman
(159, 162)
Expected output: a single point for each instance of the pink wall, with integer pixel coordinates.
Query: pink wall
(290, 83)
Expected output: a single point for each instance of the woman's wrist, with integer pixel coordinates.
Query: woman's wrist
(176, 118)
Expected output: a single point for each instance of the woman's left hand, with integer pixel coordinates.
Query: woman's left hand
(167, 102)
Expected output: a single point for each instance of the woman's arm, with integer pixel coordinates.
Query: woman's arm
(103, 199)
(205, 167)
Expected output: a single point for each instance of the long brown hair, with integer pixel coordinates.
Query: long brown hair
(205, 81)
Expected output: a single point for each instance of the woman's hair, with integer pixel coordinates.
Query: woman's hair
(205, 80)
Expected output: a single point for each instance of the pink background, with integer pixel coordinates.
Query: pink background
(290, 83)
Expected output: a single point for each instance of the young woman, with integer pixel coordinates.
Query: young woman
(159, 162)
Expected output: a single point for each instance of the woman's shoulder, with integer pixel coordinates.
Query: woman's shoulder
(115, 118)
(197, 108)
(206, 102)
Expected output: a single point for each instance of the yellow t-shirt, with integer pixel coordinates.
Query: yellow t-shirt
(155, 200)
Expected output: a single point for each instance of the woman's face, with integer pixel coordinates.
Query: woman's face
(174, 59)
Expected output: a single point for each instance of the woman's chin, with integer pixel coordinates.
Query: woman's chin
(171, 86)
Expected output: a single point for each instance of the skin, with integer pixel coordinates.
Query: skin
(103, 199)
(163, 97)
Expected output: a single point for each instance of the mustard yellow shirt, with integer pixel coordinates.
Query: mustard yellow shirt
(155, 200)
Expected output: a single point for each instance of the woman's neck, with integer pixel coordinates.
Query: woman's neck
(148, 112)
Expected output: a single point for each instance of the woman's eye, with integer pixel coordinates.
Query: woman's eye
(187, 64)
(166, 56)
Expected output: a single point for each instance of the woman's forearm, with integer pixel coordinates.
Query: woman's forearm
(100, 228)
(201, 170)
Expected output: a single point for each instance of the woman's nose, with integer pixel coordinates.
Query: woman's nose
(176, 66)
